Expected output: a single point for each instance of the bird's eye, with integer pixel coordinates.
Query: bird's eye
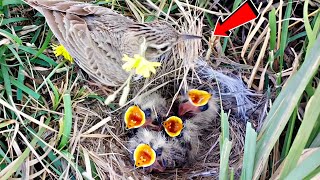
(164, 48)
(204, 108)
(185, 100)
(147, 112)
(159, 151)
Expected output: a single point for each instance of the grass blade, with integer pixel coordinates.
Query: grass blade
(310, 117)
(224, 159)
(67, 120)
(225, 147)
(273, 28)
(306, 166)
(283, 107)
(249, 152)
(284, 38)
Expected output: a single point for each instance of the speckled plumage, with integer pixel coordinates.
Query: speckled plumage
(97, 37)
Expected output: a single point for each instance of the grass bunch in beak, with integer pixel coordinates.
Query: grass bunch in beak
(144, 155)
(173, 126)
(134, 117)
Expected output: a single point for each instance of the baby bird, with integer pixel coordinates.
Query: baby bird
(153, 152)
(198, 106)
(147, 111)
(186, 132)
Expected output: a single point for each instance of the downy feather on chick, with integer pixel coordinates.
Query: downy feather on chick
(168, 152)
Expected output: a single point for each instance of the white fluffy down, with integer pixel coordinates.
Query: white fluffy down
(171, 150)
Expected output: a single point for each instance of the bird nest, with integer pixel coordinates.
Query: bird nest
(184, 67)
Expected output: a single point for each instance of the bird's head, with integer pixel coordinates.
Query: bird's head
(160, 37)
(197, 101)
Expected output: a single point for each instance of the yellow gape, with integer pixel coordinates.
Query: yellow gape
(173, 126)
(198, 97)
(134, 117)
(144, 156)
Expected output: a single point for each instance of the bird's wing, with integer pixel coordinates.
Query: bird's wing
(88, 35)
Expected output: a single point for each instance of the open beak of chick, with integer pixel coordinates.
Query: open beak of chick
(197, 99)
(173, 126)
(144, 156)
(134, 117)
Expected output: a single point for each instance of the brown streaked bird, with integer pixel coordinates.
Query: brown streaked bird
(198, 106)
(97, 37)
(152, 151)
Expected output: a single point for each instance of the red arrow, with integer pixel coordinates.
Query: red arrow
(244, 13)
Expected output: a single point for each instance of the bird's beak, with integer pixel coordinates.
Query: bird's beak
(184, 37)
(144, 155)
(173, 126)
(186, 107)
(134, 117)
(198, 97)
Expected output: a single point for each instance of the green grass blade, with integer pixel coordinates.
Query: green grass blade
(314, 133)
(306, 166)
(57, 99)
(224, 125)
(13, 20)
(249, 153)
(11, 36)
(20, 85)
(284, 38)
(316, 141)
(41, 56)
(44, 45)
(224, 159)
(307, 25)
(14, 2)
(20, 80)
(273, 28)
(24, 88)
(67, 120)
(225, 147)
(283, 107)
(5, 72)
(310, 117)
(289, 133)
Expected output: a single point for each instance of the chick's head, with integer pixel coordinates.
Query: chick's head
(154, 106)
(196, 101)
(168, 153)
